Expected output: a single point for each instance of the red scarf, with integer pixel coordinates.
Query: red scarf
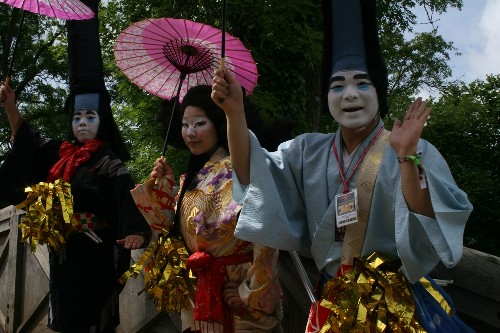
(71, 157)
(212, 275)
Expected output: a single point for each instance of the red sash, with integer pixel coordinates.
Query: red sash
(211, 272)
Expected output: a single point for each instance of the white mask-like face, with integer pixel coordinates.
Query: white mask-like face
(352, 99)
(85, 125)
(198, 131)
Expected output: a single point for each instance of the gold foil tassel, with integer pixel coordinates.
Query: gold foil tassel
(166, 278)
(372, 297)
(49, 214)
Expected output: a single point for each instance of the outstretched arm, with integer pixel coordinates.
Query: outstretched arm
(227, 94)
(404, 139)
(8, 98)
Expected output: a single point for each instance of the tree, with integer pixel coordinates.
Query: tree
(285, 38)
(38, 72)
(465, 127)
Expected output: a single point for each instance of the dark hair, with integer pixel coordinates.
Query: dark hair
(108, 130)
(200, 96)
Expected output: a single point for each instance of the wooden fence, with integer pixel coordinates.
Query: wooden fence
(24, 289)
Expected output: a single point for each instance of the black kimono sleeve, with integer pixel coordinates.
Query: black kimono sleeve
(27, 163)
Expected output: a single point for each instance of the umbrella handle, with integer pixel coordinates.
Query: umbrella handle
(223, 63)
(223, 44)
(19, 29)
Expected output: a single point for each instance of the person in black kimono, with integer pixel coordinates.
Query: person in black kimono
(84, 271)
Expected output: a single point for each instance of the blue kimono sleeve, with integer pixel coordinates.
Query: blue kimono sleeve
(273, 212)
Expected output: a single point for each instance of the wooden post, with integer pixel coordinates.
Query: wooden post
(14, 268)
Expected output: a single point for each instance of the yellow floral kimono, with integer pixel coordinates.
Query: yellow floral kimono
(208, 218)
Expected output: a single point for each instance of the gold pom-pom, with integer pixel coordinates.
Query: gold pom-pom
(372, 297)
(49, 214)
(166, 278)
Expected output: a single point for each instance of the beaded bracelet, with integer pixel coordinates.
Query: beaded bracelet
(414, 158)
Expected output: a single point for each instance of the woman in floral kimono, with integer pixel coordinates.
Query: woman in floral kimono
(237, 286)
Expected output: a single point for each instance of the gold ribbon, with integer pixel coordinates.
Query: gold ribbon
(373, 297)
(49, 214)
(166, 277)
(365, 182)
(437, 296)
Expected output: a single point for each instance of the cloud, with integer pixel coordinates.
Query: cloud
(484, 60)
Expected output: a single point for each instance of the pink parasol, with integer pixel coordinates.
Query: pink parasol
(63, 9)
(167, 56)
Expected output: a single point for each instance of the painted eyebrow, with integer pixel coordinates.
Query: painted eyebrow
(88, 111)
(362, 76)
(356, 76)
(337, 78)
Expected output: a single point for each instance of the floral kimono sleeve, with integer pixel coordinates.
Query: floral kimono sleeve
(261, 289)
(156, 203)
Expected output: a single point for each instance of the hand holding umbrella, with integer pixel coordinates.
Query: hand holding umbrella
(8, 101)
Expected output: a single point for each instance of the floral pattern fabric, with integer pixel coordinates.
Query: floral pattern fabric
(208, 218)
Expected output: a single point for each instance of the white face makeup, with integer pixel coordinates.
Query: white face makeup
(198, 131)
(85, 125)
(352, 99)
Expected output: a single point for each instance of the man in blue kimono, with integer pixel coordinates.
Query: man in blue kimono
(359, 191)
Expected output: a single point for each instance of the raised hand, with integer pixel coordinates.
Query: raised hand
(226, 92)
(405, 134)
(8, 102)
(7, 96)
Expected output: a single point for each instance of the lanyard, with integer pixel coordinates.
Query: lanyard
(341, 171)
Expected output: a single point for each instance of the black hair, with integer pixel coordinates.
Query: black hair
(200, 96)
(269, 135)
(108, 130)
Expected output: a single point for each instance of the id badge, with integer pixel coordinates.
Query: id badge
(346, 208)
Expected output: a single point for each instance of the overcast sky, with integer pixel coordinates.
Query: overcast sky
(475, 32)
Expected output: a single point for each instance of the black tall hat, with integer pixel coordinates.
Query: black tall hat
(351, 42)
(86, 77)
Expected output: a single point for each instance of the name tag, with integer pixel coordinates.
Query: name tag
(346, 208)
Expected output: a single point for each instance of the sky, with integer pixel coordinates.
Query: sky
(475, 32)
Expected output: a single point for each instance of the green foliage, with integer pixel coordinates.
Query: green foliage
(465, 127)
(38, 72)
(285, 38)
(287, 48)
